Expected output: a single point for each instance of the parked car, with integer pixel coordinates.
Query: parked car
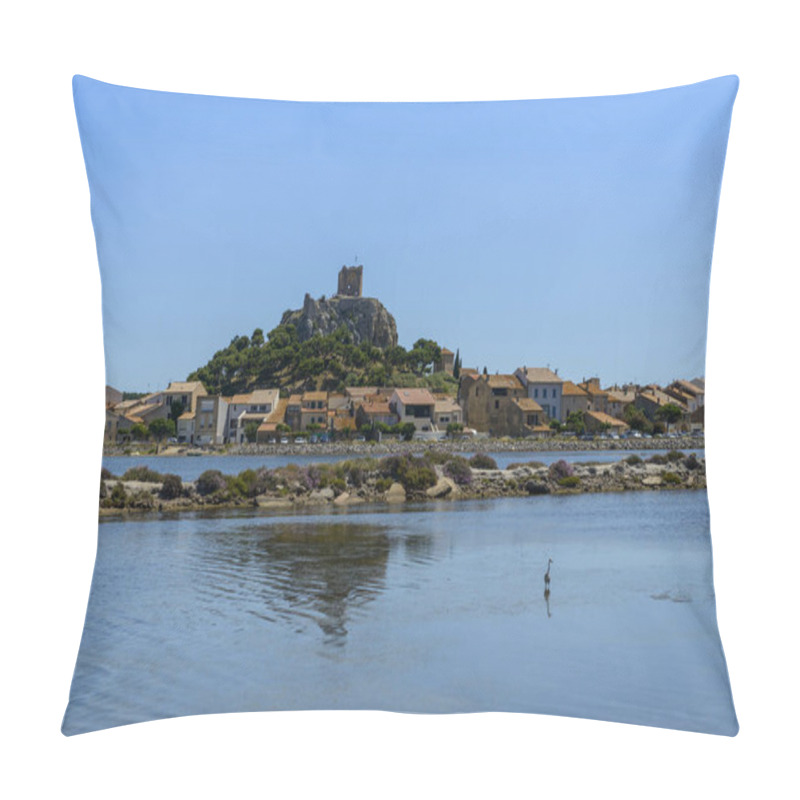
(299, 439)
(284, 440)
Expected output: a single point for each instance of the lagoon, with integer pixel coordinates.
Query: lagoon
(418, 608)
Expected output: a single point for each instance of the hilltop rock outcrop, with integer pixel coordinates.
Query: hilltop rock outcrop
(365, 317)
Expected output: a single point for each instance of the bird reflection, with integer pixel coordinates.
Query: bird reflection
(547, 587)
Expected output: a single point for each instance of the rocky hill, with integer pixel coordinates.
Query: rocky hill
(365, 318)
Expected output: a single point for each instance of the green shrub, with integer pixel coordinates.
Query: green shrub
(383, 484)
(674, 455)
(482, 461)
(458, 470)
(634, 459)
(560, 469)
(141, 499)
(671, 477)
(212, 480)
(118, 496)
(103, 489)
(106, 474)
(529, 464)
(692, 462)
(143, 473)
(172, 487)
(657, 459)
(416, 475)
(569, 481)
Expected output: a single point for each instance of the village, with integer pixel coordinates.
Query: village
(531, 402)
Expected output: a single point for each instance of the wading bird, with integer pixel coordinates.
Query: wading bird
(547, 574)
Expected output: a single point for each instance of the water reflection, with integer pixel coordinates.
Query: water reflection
(322, 572)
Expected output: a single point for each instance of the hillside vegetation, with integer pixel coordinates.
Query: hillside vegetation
(323, 363)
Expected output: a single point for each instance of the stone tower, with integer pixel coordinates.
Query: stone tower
(350, 279)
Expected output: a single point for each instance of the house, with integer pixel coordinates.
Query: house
(618, 400)
(314, 410)
(486, 399)
(598, 399)
(249, 408)
(600, 422)
(414, 405)
(268, 429)
(525, 417)
(693, 397)
(573, 400)
(183, 392)
(545, 387)
(113, 396)
(294, 407)
(651, 398)
(375, 409)
(446, 411)
(185, 427)
(210, 420)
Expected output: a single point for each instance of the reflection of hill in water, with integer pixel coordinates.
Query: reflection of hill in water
(321, 571)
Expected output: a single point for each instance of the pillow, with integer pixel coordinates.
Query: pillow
(464, 471)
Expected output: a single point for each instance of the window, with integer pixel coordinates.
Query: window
(536, 393)
(497, 404)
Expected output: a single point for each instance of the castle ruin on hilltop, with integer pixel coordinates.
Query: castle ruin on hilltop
(350, 281)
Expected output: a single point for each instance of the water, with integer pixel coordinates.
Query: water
(190, 467)
(433, 608)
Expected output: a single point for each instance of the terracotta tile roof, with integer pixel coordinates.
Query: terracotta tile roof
(445, 404)
(344, 424)
(258, 397)
(446, 352)
(376, 409)
(606, 419)
(504, 382)
(415, 397)
(569, 389)
(185, 387)
(186, 415)
(616, 396)
(540, 375)
(279, 412)
(527, 404)
(312, 396)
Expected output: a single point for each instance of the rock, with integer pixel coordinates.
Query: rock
(271, 502)
(365, 317)
(652, 480)
(395, 494)
(443, 488)
(347, 499)
(322, 495)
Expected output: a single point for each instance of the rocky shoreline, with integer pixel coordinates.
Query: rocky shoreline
(435, 476)
(355, 448)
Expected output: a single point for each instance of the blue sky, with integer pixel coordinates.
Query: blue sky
(572, 233)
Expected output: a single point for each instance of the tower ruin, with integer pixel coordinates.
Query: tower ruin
(350, 281)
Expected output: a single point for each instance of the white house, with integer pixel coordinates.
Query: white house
(414, 405)
(210, 417)
(545, 387)
(254, 406)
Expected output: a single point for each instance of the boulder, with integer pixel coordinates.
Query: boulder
(443, 488)
(395, 494)
(347, 499)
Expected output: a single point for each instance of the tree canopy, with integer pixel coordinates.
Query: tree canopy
(327, 363)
